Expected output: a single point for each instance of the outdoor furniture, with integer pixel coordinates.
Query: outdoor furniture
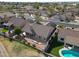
(14, 36)
(69, 47)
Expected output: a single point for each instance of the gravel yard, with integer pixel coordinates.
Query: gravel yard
(16, 49)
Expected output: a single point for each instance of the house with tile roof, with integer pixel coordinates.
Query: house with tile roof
(17, 22)
(39, 33)
(69, 37)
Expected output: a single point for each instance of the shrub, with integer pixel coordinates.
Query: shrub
(17, 31)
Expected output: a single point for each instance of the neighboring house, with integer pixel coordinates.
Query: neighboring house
(39, 33)
(62, 17)
(74, 10)
(17, 22)
(28, 7)
(43, 13)
(8, 14)
(29, 17)
(51, 24)
(69, 36)
(42, 7)
(58, 20)
(76, 17)
(5, 16)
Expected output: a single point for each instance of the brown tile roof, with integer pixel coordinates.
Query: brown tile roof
(72, 40)
(8, 14)
(17, 22)
(65, 32)
(70, 36)
(42, 30)
(39, 30)
(26, 28)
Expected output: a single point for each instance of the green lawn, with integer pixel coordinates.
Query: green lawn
(55, 50)
(4, 30)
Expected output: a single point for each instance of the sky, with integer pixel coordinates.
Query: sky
(39, 0)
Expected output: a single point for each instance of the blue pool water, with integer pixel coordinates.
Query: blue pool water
(70, 53)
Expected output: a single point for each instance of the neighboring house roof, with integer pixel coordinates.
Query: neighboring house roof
(40, 30)
(30, 18)
(43, 13)
(70, 32)
(17, 22)
(29, 7)
(51, 24)
(26, 28)
(58, 18)
(8, 14)
(71, 36)
(54, 18)
(62, 17)
(72, 40)
(75, 10)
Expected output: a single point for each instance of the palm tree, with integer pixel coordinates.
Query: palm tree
(38, 19)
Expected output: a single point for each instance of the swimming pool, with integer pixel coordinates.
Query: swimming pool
(68, 53)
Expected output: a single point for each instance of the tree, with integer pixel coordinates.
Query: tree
(65, 6)
(61, 26)
(17, 31)
(77, 5)
(36, 5)
(50, 9)
(38, 19)
(60, 9)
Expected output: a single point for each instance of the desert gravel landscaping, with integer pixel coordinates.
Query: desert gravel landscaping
(17, 49)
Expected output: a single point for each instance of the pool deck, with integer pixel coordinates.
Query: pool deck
(61, 51)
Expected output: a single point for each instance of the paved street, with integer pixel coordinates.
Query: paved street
(3, 52)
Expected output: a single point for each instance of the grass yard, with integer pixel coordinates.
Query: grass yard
(4, 30)
(55, 50)
(16, 49)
